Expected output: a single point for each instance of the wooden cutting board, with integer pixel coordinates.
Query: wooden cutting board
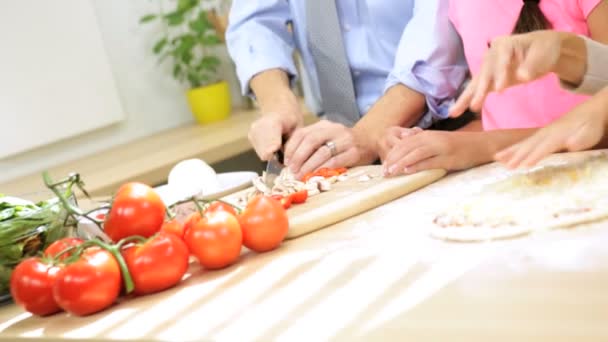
(352, 197)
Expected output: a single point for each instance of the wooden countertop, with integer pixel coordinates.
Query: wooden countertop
(377, 276)
(150, 159)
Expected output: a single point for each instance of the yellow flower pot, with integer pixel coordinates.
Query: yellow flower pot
(210, 103)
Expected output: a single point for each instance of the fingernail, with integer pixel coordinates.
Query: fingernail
(406, 170)
(392, 169)
(286, 161)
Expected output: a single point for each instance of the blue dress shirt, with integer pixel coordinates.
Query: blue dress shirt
(387, 42)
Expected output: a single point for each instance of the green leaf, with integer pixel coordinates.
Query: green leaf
(199, 25)
(158, 47)
(177, 70)
(147, 18)
(194, 80)
(7, 213)
(187, 57)
(174, 18)
(186, 43)
(210, 40)
(186, 5)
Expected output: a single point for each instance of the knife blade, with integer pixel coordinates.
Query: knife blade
(274, 167)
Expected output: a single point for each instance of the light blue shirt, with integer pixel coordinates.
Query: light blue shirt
(387, 42)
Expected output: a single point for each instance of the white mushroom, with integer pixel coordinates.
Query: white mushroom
(324, 185)
(364, 178)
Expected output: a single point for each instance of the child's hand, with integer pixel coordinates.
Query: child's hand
(434, 150)
(392, 136)
(582, 128)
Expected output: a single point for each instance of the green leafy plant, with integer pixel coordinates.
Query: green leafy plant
(188, 37)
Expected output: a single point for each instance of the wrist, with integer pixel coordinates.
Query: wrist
(572, 63)
(275, 97)
(367, 145)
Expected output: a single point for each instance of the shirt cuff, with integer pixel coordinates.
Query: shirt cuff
(255, 60)
(439, 85)
(596, 76)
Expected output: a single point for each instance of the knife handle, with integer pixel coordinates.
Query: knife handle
(280, 153)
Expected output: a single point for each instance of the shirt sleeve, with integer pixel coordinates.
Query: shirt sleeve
(596, 76)
(430, 59)
(587, 6)
(258, 39)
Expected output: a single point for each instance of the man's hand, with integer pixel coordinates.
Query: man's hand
(582, 128)
(517, 59)
(281, 112)
(266, 133)
(306, 151)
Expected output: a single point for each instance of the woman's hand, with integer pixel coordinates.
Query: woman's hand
(516, 59)
(582, 128)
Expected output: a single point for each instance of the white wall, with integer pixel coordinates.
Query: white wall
(152, 100)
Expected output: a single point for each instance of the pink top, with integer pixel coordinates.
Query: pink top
(529, 105)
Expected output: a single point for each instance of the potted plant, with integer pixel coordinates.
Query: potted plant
(188, 39)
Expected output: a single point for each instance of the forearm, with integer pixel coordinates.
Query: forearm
(400, 106)
(274, 95)
(486, 144)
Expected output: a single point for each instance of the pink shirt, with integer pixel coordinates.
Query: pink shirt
(529, 105)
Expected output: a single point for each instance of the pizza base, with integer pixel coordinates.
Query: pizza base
(480, 234)
(523, 204)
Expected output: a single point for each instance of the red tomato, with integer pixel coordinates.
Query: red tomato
(31, 286)
(191, 220)
(341, 170)
(88, 285)
(157, 264)
(173, 227)
(321, 172)
(331, 173)
(215, 240)
(221, 206)
(285, 201)
(264, 223)
(307, 176)
(60, 245)
(136, 210)
(299, 197)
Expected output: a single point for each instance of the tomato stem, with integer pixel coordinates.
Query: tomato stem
(198, 201)
(115, 251)
(71, 180)
(133, 238)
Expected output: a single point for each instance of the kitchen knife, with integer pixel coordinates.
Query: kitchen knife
(274, 167)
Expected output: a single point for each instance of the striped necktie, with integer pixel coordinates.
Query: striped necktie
(333, 72)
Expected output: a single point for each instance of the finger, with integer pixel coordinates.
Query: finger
(503, 66)
(431, 163)
(407, 132)
(532, 65)
(320, 156)
(506, 154)
(412, 158)
(307, 147)
(464, 100)
(344, 159)
(484, 84)
(265, 138)
(391, 141)
(397, 152)
(294, 141)
(540, 151)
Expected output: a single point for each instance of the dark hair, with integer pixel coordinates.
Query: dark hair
(531, 18)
